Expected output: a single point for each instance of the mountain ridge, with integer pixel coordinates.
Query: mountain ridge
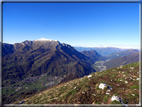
(30, 60)
(130, 58)
(104, 51)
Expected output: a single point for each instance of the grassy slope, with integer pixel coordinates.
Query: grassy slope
(85, 90)
(122, 60)
(123, 53)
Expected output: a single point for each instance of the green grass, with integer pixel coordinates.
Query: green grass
(134, 87)
(115, 102)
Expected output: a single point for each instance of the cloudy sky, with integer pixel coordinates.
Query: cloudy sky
(77, 24)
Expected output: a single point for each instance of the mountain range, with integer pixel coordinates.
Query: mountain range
(24, 63)
(122, 53)
(33, 58)
(130, 58)
(104, 51)
(93, 55)
(33, 66)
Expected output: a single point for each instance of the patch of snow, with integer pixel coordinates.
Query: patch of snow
(23, 43)
(137, 78)
(126, 81)
(74, 87)
(122, 72)
(102, 85)
(43, 39)
(114, 97)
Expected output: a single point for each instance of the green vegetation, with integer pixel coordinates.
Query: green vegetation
(115, 102)
(134, 87)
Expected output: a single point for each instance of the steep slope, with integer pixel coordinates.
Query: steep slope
(48, 60)
(7, 49)
(35, 58)
(104, 51)
(120, 54)
(93, 55)
(122, 60)
(113, 86)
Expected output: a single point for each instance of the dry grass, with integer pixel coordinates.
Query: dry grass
(85, 90)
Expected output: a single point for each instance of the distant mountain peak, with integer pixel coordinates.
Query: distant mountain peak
(43, 39)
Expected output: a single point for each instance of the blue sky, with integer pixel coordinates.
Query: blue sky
(77, 24)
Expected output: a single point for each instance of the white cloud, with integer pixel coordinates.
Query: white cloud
(125, 46)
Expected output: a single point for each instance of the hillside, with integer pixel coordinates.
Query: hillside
(122, 53)
(122, 60)
(33, 58)
(113, 86)
(93, 55)
(39, 64)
